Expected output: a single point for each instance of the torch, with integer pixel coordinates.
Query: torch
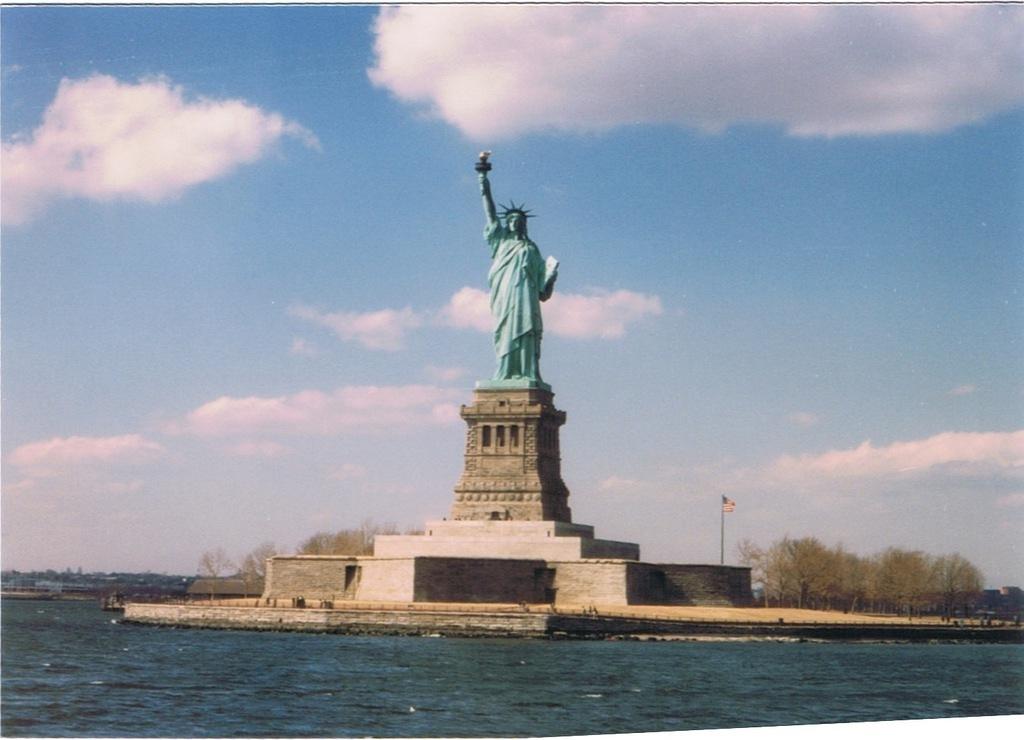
(482, 164)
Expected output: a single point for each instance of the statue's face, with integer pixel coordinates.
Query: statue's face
(516, 223)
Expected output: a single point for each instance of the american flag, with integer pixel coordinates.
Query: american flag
(728, 504)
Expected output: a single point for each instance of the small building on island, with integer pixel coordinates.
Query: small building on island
(224, 588)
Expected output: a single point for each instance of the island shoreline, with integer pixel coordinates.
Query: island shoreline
(421, 621)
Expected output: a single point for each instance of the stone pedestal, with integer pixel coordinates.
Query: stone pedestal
(512, 461)
(545, 540)
(510, 538)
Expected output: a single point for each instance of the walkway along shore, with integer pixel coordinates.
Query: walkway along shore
(479, 620)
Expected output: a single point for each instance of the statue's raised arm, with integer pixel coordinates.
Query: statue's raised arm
(483, 167)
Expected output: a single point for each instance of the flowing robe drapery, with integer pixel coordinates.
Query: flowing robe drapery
(518, 280)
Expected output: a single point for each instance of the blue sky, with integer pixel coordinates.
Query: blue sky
(243, 268)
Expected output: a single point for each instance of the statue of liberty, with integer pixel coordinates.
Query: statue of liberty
(519, 280)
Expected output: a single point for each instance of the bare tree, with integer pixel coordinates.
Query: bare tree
(317, 544)
(214, 563)
(794, 572)
(751, 554)
(956, 580)
(254, 565)
(850, 575)
(805, 573)
(902, 579)
(370, 530)
(777, 574)
(808, 564)
(358, 541)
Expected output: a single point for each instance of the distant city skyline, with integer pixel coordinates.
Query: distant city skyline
(244, 271)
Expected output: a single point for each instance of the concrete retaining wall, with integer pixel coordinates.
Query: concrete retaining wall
(387, 580)
(504, 580)
(310, 576)
(384, 622)
(519, 624)
(590, 582)
(472, 580)
(323, 577)
(706, 585)
(604, 627)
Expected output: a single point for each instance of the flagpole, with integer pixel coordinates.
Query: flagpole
(722, 540)
(728, 505)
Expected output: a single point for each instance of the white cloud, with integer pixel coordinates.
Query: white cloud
(122, 487)
(350, 408)
(804, 419)
(617, 484)
(962, 390)
(348, 471)
(61, 452)
(384, 329)
(445, 413)
(23, 485)
(1011, 501)
(104, 139)
(258, 448)
(968, 450)
(445, 374)
(303, 348)
(601, 315)
(817, 70)
(469, 308)
(80, 465)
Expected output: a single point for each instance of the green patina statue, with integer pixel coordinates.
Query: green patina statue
(519, 280)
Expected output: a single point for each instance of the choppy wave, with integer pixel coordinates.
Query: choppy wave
(67, 671)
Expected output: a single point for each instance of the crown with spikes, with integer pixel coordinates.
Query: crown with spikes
(513, 208)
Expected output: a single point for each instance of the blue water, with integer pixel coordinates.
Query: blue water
(69, 670)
